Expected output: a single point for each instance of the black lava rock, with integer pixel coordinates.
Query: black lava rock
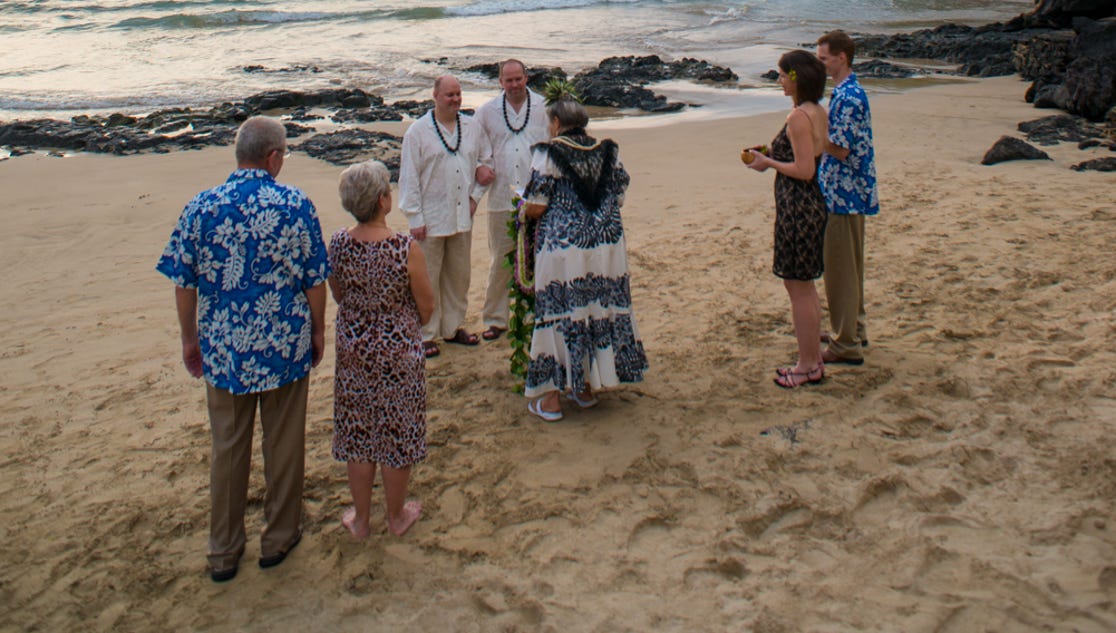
(1010, 148)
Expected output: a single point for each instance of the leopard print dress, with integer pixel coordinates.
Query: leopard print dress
(800, 218)
(379, 390)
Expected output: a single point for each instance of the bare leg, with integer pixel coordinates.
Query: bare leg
(400, 516)
(361, 476)
(806, 314)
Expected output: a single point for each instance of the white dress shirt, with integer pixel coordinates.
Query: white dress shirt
(435, 186)
(511, 152)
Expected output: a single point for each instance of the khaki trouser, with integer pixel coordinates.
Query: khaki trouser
(448, 263)
(231, 421)
(844, 284)
(496, 302)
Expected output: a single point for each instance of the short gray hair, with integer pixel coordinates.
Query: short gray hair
(570, 113)
(258, 137)
(361, 187)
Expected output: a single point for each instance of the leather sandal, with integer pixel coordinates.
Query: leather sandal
(430, 349)
(793, 379)
(461, 337)
(493, 332)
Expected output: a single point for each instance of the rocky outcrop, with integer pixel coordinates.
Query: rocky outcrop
(985, 51)
(1090, 77)
(1011, 148)
(619, 82)
(345, 147)
(1107, 163)
(536, 77)
(1060, 128)
(1059, 14)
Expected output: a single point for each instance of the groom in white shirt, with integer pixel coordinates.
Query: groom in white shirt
(444, 168)
(513, 122)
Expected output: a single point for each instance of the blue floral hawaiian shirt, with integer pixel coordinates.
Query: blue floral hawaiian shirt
(850, 185)
(251, 247)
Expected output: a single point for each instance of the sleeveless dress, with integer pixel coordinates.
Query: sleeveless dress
(800, 217)
(379, 390)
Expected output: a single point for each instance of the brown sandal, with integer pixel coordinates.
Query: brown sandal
(430, 348)
(493, 332)
(792, 379)
(461, 337)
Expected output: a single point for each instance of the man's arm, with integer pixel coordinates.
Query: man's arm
(186, 302)
(316, 296)
(836, 151)
(410, 179)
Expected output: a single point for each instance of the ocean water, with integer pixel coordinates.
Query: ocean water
(62, 57)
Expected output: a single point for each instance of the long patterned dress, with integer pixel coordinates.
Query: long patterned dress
(379, 390)
(584, 332)
(800, 217)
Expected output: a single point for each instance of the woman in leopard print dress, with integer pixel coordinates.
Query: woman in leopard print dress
(800, 211)
(383, 295)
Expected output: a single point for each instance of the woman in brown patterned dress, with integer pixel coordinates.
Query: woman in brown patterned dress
(383, 296)
(800, 211)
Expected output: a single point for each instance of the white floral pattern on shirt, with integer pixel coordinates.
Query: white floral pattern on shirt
(850, 185)
(251, 247)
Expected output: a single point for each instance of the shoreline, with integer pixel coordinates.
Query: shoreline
(959, 480)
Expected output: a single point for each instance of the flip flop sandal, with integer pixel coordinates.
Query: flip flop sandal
(430, 348)
(584, 404)
(535, 409)
(461, 337)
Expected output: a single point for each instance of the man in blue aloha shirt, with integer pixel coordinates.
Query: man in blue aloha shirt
(847, 176)
(249, 268)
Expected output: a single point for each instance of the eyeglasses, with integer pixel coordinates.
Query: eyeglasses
(285, 153)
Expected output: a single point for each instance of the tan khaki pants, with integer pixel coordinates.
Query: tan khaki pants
(448, 263)
(496, 302)
(231, 421)
(844, 284)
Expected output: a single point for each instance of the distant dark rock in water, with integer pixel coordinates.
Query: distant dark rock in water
(366, 115)
(345, 147)
(1059, 128)
(1107, 163)
(536, 77)
(771, 75)
(618, 82)
(297, 68)
(332, 97)
(412, 108)
(879, 69)
(1011, 148)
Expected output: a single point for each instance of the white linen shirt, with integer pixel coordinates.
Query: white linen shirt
(434, 185)
(511, 152)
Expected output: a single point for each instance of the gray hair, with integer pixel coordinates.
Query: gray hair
(570, 113)
(361, 187)
(258, 137)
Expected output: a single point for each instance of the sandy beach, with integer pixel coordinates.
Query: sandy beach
(962, 480)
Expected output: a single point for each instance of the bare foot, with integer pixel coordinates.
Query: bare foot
(410, 514)
(349, 521)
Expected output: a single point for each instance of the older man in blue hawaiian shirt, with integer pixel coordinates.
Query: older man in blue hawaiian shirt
(847, 176)
(249, 268)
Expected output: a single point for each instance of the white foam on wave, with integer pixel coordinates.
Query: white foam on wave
(495, 7)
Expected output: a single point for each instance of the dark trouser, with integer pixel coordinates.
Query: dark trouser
(231, 421)
(844, 284)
